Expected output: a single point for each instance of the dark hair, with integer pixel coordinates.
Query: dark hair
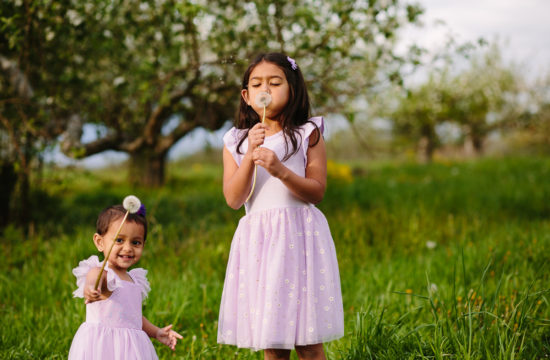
(115, 212)
(293, 115)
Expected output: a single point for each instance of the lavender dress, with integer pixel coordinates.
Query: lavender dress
(282, 286)
(113, 327)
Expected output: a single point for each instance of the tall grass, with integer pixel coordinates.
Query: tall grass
(441, 261)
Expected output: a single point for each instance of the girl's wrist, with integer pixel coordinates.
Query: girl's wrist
(247, 157)
(283, 173)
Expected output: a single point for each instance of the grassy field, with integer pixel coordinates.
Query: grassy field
(440, 261)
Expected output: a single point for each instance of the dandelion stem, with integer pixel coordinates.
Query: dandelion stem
(255, 170)
(110, 249)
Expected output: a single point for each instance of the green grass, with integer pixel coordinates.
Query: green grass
(481, 293)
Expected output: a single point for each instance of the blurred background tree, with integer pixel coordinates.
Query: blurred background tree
(417, 115)
(149, 72)
(476, 99)
(484, 98)
(39, 82)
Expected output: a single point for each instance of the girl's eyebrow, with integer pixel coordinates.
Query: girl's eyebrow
(269, 77)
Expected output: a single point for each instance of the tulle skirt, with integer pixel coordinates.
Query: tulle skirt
(98, 342)
(282, 284)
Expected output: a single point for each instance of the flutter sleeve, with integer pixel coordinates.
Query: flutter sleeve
(81, 271)
(139, 276)
(231, 140)
(308, 128)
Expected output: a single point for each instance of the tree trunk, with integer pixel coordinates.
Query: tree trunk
(147, 168)
(477, 141)
(473, 144)
(426, 144)
(8, 179)
(425, 150)
(24, 211)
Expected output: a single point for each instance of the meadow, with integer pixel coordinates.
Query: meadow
(442, 261)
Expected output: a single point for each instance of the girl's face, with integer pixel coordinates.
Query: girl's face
(128, 245)
(270, 78)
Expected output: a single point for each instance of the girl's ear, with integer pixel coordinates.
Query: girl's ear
(244, 94)
(98, 241)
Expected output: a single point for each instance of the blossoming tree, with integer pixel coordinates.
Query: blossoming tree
(150, 72)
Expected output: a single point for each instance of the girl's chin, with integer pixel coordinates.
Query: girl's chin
(123, 263)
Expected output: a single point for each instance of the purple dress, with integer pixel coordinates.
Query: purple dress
(113, 327)
(282, 285)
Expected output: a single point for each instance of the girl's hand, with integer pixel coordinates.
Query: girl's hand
(267, 159)
(256, 136)
(168, 337)
(91, 294)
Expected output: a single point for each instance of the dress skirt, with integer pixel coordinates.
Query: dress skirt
(99, 342)
(282, 285)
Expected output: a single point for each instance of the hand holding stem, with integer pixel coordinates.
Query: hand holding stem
(263, 99)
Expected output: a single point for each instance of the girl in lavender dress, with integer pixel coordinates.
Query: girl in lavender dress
(282, 286)
(115, 327)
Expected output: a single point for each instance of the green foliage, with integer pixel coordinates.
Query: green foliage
(446, 260)
(150, 72)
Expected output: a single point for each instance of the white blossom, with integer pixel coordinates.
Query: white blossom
(74, 18)
(49, 35)
(118, 80)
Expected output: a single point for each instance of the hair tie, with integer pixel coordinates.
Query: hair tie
(142, 210)
(292, 63)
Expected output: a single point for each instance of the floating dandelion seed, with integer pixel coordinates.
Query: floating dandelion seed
(132, 205)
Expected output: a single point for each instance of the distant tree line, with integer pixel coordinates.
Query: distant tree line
(483, 97)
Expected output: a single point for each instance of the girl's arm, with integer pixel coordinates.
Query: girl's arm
(102, 292)
(310, 188)
(166, 335)
(237, 180)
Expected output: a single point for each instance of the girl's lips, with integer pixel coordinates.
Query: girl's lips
(126, 256)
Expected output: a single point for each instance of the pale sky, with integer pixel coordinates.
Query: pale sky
(522, 27)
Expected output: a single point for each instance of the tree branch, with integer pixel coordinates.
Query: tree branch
(157, 117)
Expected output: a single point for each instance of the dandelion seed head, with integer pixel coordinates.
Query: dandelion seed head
(263, 99)
(131, 203)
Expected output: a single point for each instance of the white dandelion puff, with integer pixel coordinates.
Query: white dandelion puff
(263, 99)
(131, 203)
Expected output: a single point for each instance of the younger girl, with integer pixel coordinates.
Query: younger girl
(282, 286)
(114, 327)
